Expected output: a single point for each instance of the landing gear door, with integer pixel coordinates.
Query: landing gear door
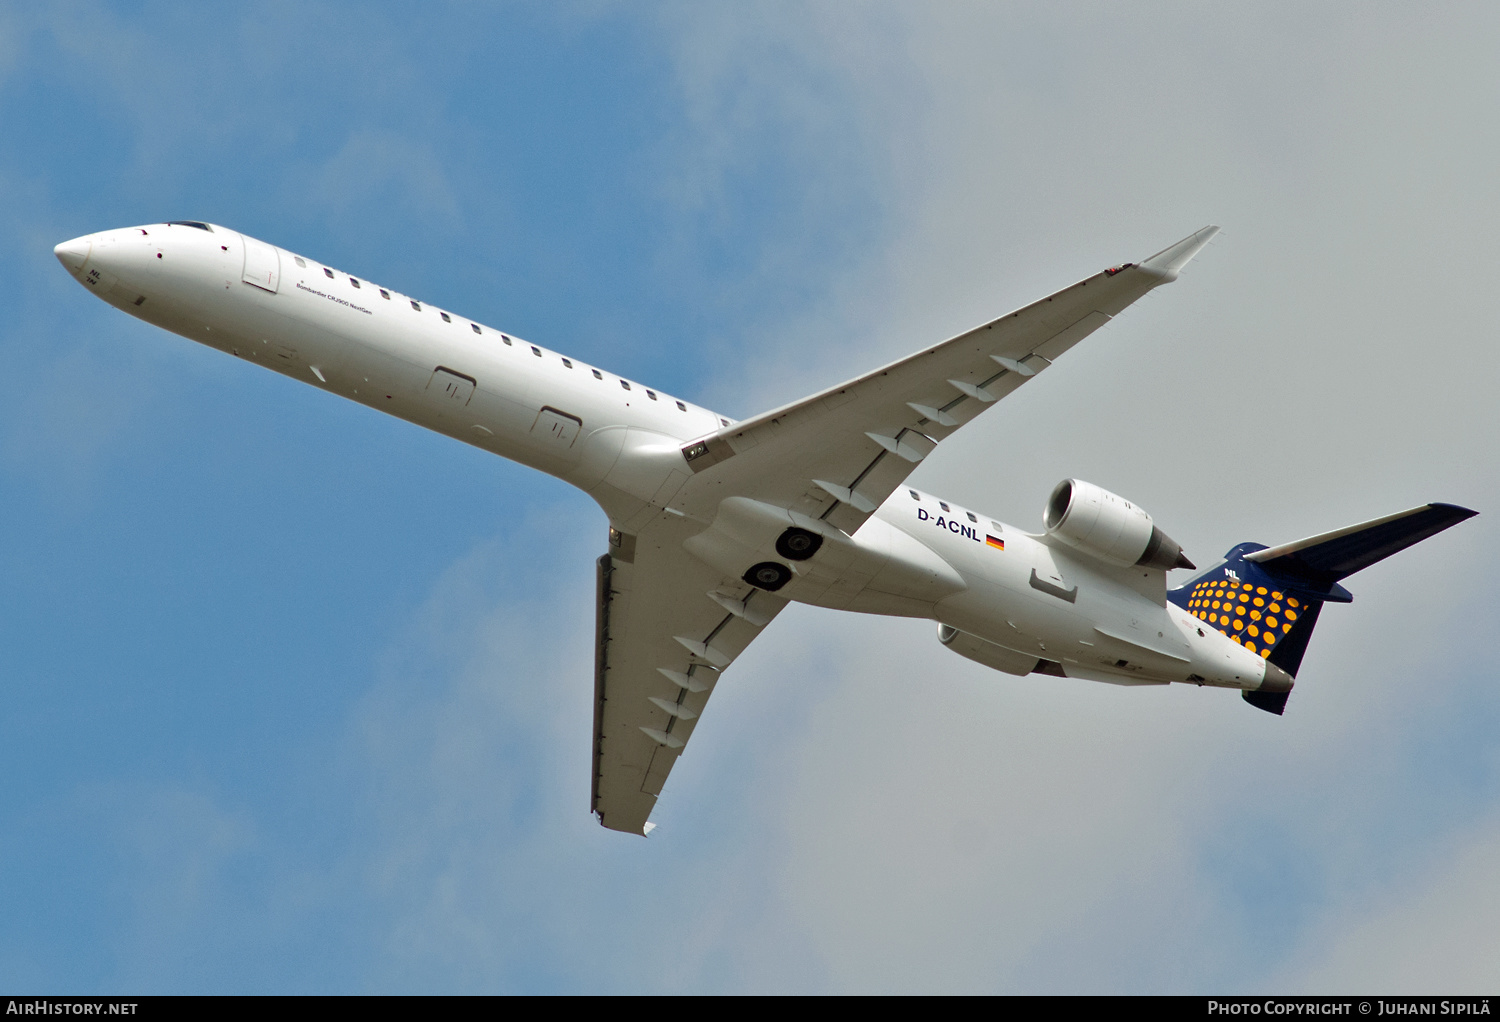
(262, 265)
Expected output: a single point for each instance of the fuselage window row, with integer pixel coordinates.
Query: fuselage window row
(417, 306)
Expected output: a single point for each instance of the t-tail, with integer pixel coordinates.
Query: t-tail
(1268, 599)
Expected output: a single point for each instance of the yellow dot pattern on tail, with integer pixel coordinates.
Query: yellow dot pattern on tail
(1256, 617)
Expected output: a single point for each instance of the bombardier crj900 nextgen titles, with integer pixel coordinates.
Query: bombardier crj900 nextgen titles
(714, 525)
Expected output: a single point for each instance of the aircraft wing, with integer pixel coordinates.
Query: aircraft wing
(667, 625)
(838, 454)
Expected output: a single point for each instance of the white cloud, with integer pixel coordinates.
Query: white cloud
(1436, 936)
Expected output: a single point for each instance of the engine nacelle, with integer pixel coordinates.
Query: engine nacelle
(982, 651)
(1111, 528)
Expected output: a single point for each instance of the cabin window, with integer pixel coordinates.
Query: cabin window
(651, 394)
(354, 282)
(681, 407)
(446, 317)
(536, 351)
(597, 374)
(994, 525)
(914, 495)
(385, 294)
(568, 362)
(723, 422)
(504, 338)
(625, 384)
(417, 306)
(327, 273)
(300, 261)
(971, 517)
(945, 507)
(475, 327)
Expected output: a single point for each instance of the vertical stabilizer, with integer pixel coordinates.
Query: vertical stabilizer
(1268, 599)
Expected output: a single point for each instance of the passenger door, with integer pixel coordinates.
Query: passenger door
(262, 265)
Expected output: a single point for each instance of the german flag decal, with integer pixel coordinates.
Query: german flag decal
(994, 541)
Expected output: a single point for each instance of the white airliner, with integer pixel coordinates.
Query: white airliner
(716, 525)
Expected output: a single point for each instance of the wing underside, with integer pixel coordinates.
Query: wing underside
(838, 454)
(667, 625)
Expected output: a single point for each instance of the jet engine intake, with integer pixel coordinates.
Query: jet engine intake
(1109, 527)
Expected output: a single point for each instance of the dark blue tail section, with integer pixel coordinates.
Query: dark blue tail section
(1268, 598)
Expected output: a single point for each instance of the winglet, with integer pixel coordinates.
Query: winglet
(1168, 263)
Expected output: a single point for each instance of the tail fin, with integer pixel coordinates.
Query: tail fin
(1268, 598)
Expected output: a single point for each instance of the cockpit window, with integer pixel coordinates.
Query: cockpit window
(190, 223)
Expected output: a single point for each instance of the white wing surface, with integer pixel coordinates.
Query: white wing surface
(838, 454)
(667, 625)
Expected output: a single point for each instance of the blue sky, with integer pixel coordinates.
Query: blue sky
(298, 696)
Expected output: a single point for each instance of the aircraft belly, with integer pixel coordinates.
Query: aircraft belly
(383, 368)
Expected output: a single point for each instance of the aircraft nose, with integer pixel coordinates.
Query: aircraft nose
(73, 254)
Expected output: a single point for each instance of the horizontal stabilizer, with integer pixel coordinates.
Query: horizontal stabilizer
(1339, 554)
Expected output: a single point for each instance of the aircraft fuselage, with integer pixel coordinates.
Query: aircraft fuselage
(1015, 601)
